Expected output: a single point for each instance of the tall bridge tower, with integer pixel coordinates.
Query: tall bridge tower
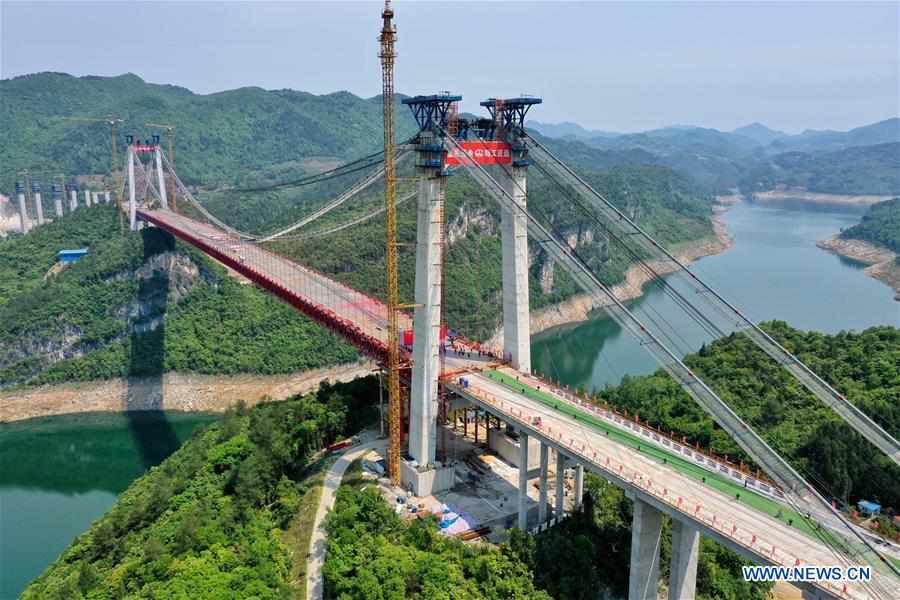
(509, 126)
(432, 114)
(497, 141)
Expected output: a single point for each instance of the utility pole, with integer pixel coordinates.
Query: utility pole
(388, 36)
(169, 129)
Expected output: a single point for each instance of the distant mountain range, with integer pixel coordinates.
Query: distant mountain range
(864, 160)
(262, 135)
(219, 137)
(759, 133)
(568, 130)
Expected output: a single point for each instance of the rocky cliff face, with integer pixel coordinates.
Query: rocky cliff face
(162, 282)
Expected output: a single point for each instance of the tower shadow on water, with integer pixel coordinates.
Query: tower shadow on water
(153, 434)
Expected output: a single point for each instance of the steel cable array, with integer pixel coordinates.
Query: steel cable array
(802, 495)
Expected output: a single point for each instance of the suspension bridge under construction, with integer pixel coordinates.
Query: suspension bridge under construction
(773, 517)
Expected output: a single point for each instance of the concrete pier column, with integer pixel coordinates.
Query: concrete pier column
(73, 200)
(96, 197)
(579, 484)
(87, 198)
(57, 201)
(38, 202)
(683, 565)
(514, 241)
(427, 318)
(523, 481)
(646, 530)
(560, 481)
(23, 209)
(542, 486)
(106, 197)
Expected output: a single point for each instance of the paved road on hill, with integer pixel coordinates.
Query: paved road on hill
(315, 584)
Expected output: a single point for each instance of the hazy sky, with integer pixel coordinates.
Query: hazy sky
(619, 66)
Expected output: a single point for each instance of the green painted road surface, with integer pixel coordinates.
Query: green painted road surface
(677, 462)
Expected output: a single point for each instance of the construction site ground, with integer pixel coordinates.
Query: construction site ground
(486, 489)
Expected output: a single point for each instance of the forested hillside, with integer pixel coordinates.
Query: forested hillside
(372, 553)
(139, 304)
(166, 307)
(220, 138)
(208, 522)
(880, 225)
(211, 521)
(864, 366)
(871, 169)
(668, 205)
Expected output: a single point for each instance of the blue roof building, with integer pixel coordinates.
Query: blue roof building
(868, 508)
(70, 256)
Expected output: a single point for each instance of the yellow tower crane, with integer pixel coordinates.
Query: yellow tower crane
(388, 36)
(113, 165)
(169, 129)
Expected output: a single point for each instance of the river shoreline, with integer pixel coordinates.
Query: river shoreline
(580, 307)
(186, 392)
(818, 199)
(882, 263)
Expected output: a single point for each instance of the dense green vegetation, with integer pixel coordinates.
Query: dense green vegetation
(880, 225)
(373, 554)
(871, 169)
(220, 138)
(141, 304)
(246, 137)
(666, 204)
(589, 552)
(863, 366)
(24, 260)
(207, 522)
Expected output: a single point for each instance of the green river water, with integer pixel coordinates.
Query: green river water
(773, 271)
(57, 475)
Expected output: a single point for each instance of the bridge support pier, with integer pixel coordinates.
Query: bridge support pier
(514, 240)
(87, 197)
(542, 484)
(57, 202)
(683, 565)
(523, 481)
(38, 205)
(106, 197)
(579, 484)
(560, 481)
(646, 534)
(23, 211)
(73, 199)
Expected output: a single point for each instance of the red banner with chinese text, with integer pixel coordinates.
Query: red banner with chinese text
(482, 152)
